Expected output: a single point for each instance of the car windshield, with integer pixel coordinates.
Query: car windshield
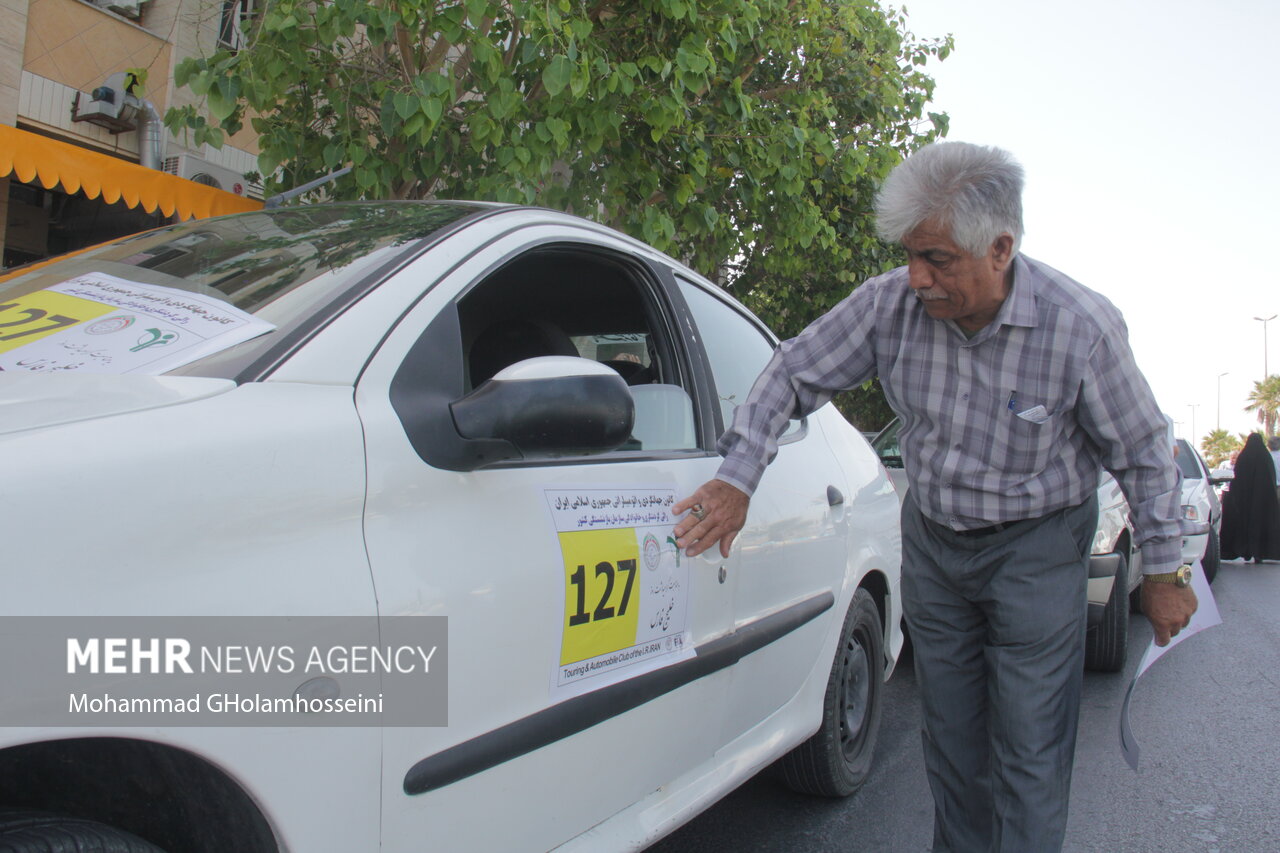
(222, 290)
(1187, 461)
(886, 445)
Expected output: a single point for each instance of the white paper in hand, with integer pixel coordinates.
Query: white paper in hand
(1206, 616)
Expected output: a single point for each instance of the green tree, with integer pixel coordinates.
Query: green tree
(1265, 400)
(745, 137)
(1218, 446)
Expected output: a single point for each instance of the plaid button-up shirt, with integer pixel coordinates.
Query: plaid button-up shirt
(1012, 423)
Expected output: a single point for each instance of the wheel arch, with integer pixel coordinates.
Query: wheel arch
(1124, 544)
(876, 583)
(167, 795)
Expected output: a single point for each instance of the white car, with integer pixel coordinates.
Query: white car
(1115, 568)
(1201, 512)
(392, 414)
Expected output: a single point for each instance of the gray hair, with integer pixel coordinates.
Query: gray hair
(1273, 443)
(973, 190)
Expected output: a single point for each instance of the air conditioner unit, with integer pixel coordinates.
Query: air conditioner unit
(127, 8)
(203, 172)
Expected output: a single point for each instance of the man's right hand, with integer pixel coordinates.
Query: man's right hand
(1169, 608)
(724, 512)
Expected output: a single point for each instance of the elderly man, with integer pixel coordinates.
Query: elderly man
(1015, 385)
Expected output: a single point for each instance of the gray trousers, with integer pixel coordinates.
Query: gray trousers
(997, 624)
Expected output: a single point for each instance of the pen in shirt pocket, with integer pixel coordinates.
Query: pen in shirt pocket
(1013, 400)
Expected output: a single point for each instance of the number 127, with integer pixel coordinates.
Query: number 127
(57, 321)
(603, 609)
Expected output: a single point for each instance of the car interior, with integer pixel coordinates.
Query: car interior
(570, 301)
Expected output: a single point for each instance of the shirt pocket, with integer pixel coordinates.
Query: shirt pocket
(1025, 433)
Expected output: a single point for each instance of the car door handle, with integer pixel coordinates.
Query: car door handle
(834, 496)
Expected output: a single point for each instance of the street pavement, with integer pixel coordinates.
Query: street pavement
(1207, 718)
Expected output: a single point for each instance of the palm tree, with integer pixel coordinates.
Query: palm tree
(1265, 400)
(1218, 446)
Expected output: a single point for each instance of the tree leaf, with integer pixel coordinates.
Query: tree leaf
(220, 106)
(558, 73)
(578, 81)
(405, 104)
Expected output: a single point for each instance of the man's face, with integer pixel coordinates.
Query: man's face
(952, 284)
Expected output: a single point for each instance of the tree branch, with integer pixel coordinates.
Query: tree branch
(436, 56)
(408, 66)
(463, 65)
(515, 42)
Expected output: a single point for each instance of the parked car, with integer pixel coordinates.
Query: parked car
(1201, 511)
(1115, 570)
(398, 410)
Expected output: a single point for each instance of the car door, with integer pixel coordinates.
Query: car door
(552, 728)
(793, 547)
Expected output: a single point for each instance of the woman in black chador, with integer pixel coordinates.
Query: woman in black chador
(1250, 509)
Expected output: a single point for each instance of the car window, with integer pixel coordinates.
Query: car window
(886, 445)
(588, 303)
(737, 349)
(1187, 461)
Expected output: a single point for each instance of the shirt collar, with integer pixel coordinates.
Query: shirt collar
(1019, 309)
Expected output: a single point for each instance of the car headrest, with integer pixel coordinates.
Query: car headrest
(508, 341)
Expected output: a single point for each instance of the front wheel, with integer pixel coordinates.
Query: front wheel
(836, 761)
(1212, 557)
(1107, 644)
(23, 831)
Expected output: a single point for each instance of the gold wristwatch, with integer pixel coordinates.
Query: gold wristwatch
(1180, 577)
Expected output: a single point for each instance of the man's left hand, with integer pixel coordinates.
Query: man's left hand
(1169, 608)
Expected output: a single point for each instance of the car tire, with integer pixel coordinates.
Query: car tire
(1212, 557)
(836, 761)
(1135, 599)
(1106, 644)
(24, 831)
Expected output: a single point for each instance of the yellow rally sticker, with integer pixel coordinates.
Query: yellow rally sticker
(602, 592)
(38, 315)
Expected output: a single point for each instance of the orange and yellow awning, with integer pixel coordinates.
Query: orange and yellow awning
(31, 158)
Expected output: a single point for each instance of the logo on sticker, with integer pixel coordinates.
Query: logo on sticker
(154, 338)
(652, 552)
(109, 325)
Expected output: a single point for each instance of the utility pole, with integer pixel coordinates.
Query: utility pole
(1264, 321)
(1193, 407)
(1220, 375)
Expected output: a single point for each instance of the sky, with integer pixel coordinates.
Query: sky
(1150, 136)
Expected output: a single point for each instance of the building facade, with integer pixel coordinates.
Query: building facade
(84, 156)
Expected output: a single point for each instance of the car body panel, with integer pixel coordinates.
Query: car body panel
(471, 525)
(31, 401)
(878, 532)
(264, 537)
(793, 548)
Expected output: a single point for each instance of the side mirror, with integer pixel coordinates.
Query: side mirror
(546, 407)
